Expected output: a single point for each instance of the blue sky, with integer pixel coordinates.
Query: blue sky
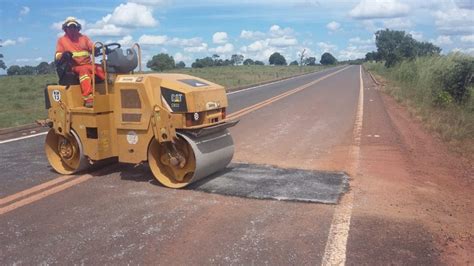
(193, 29)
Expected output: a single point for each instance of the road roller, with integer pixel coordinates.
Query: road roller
(174, 122)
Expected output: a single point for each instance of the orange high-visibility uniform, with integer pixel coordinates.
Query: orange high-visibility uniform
(81, 53)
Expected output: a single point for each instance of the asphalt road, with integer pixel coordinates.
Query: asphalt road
(120, 215)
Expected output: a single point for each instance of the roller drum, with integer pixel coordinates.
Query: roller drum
(212, 152)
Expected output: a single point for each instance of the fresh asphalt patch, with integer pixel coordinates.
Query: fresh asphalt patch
(269, 182)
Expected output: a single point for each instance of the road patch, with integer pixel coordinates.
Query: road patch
(270, 182)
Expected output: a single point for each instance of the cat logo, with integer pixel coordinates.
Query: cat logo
(176, 98)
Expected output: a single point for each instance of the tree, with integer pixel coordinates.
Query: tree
(180, 65)
(27, 70)
(161, 62)
(294, 63)
(14, 70)
(44, 68)
(248, 62)
(427, 48)
(277, 59)
(310, 61)
(394, 46)
(259, 63)
(328, 59)
(203, 62)
(2, 64)
(302, 57)
(372, 56)
(236, 59)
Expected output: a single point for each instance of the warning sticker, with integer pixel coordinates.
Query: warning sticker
(132, 137)
(56, 94)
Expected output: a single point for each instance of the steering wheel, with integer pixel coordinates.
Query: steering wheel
(110, 47)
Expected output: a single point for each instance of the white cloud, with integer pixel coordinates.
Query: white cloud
(126, 41)
(442, 40)
(153, 39)
(257, 46)
(467, 38)
(368, 9)
(283, 42)
(196, 49)
(39, 59)
(22, 60)
(352, 52)
(224, 49)
(8, 42)
(466, 4)
(220, 37)
(416, 35)
(24, 11)
(327, 47)
(149, 2)
(22, 39)
(277, 39)
(276, 31)
(106, 30)
(358, 40)
(455, 21)
(133, 15)
(251, 35)
(180, 57)
(397, 23)
(185, 42)
(333, 26)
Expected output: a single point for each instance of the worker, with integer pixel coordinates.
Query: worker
(76, 48)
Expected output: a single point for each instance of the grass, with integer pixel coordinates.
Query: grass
(22, 100)
(416, 84)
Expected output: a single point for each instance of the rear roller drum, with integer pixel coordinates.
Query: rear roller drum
(179, 164)
(65, 154)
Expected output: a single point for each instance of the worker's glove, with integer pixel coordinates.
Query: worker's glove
(66, 57)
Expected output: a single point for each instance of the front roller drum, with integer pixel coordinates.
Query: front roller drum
(189, 158)
(65, 153)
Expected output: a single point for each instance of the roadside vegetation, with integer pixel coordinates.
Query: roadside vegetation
(436, 88)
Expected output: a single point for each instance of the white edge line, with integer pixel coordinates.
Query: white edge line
(24, 137)
(335, 252)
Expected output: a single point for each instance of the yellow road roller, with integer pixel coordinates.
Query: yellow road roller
(175, 122)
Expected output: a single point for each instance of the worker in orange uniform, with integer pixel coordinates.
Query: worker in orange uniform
(77, 48)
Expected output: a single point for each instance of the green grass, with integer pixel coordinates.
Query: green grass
(22, 100)
(416, 84)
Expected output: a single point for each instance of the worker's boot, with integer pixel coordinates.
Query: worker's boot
(89, 101)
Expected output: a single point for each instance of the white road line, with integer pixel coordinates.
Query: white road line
(335, 251)
(24, 137)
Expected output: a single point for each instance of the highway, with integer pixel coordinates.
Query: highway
(401, 205)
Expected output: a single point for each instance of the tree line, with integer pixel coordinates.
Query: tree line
(41, 68)
(163, 61)
(395, 46)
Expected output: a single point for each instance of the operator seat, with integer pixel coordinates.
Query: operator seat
(118, 63)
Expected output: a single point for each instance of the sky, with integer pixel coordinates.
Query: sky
(194, 29)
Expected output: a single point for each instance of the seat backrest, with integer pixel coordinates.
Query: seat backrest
(66, 75)
(117, 62)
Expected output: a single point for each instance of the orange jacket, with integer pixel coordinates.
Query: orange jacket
(80, 49)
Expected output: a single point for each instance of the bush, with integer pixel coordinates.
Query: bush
(457, 78)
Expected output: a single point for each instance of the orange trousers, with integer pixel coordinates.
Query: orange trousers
(85, 78)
